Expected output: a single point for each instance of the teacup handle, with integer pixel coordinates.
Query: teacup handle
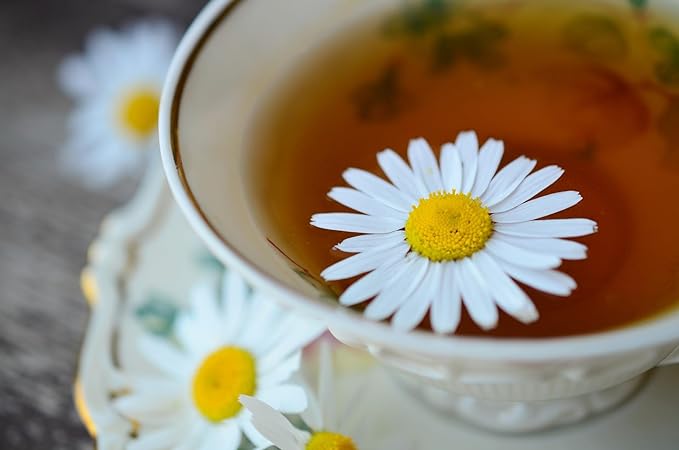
(673, 358)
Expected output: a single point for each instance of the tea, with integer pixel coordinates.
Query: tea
(582, 87)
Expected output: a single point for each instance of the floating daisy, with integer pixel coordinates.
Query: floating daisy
(116, 85)
(229, 344)
(331, 428)
(451, 232)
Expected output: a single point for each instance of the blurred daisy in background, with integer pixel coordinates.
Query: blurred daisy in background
(230, 343)
(334, 422)
(116, 85)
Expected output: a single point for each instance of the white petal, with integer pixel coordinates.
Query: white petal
(377, 188)
(507, 180)
(502, 249)
(365, 242)
(297, 334)
(549, 281)
(476, 295)
(451, 168)
(371, 284)
(529, 188)
(327, 401)
(286, 398)
(561, 248)
(505, 292)
(364, 262)
(274, 426)
(539, 207)
(365, 204)
(424, 164)
(161, 438)
(153, 405)
(234, 294)
(75, 78)
(264, 314)
(401, 176)
(413, 311)
(164, 357)
(355, 223)
(490, 156)
(549, 228)
(226, 436)
(282, 371)
(405, 282)
(468, 145)
(446, 308)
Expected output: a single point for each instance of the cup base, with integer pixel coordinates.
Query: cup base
(520, 416)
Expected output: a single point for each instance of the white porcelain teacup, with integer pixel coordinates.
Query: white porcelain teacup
(226, 60)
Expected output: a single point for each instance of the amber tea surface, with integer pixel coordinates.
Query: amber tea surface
(588, 88)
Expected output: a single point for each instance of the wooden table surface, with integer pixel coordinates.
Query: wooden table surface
(47, 219)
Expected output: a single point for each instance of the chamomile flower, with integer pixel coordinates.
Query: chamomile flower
(451, 232)
(228, 345)
(116, 85)
(332, 426)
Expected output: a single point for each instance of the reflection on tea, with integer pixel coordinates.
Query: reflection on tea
(586, 88)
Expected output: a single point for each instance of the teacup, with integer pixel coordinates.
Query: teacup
(224, 63)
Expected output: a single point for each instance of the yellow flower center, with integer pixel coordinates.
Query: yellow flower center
(324, 440)
(447, 226)
(221, 378)
(138, 112)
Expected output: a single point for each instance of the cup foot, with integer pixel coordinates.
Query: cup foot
(520, 416)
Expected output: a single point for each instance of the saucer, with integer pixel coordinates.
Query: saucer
(139, 271)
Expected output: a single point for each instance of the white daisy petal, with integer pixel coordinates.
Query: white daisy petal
(274, 426)
(561, 248)
(507, 180)
(377, 188)
(413, 311)
(156, 439)
(549, 228)
(529, 188)
(371, 284)
(394, 295)
(163, 356)
(293, 338)
(539, 207)
(286, 398)
(509, 252)
(223, 436)
(282, 371)
(365, 204)
(507, 295)
(446, 307)
(401, 176)
(490, 156)
(259, 441)
(476, 295)
(366, 242)
(467, 145)
(152, 406)
(424, 164)
(355, 223)
(451, 168)
(364, 262)
(233, 291)
(549, 281)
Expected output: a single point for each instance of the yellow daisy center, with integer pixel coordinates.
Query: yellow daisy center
(138, 112)
(447, 226)
(325, 440)
(221, 378)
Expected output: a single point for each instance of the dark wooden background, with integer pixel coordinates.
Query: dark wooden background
(47, 220)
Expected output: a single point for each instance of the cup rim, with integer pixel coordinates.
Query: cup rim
(344, 321)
